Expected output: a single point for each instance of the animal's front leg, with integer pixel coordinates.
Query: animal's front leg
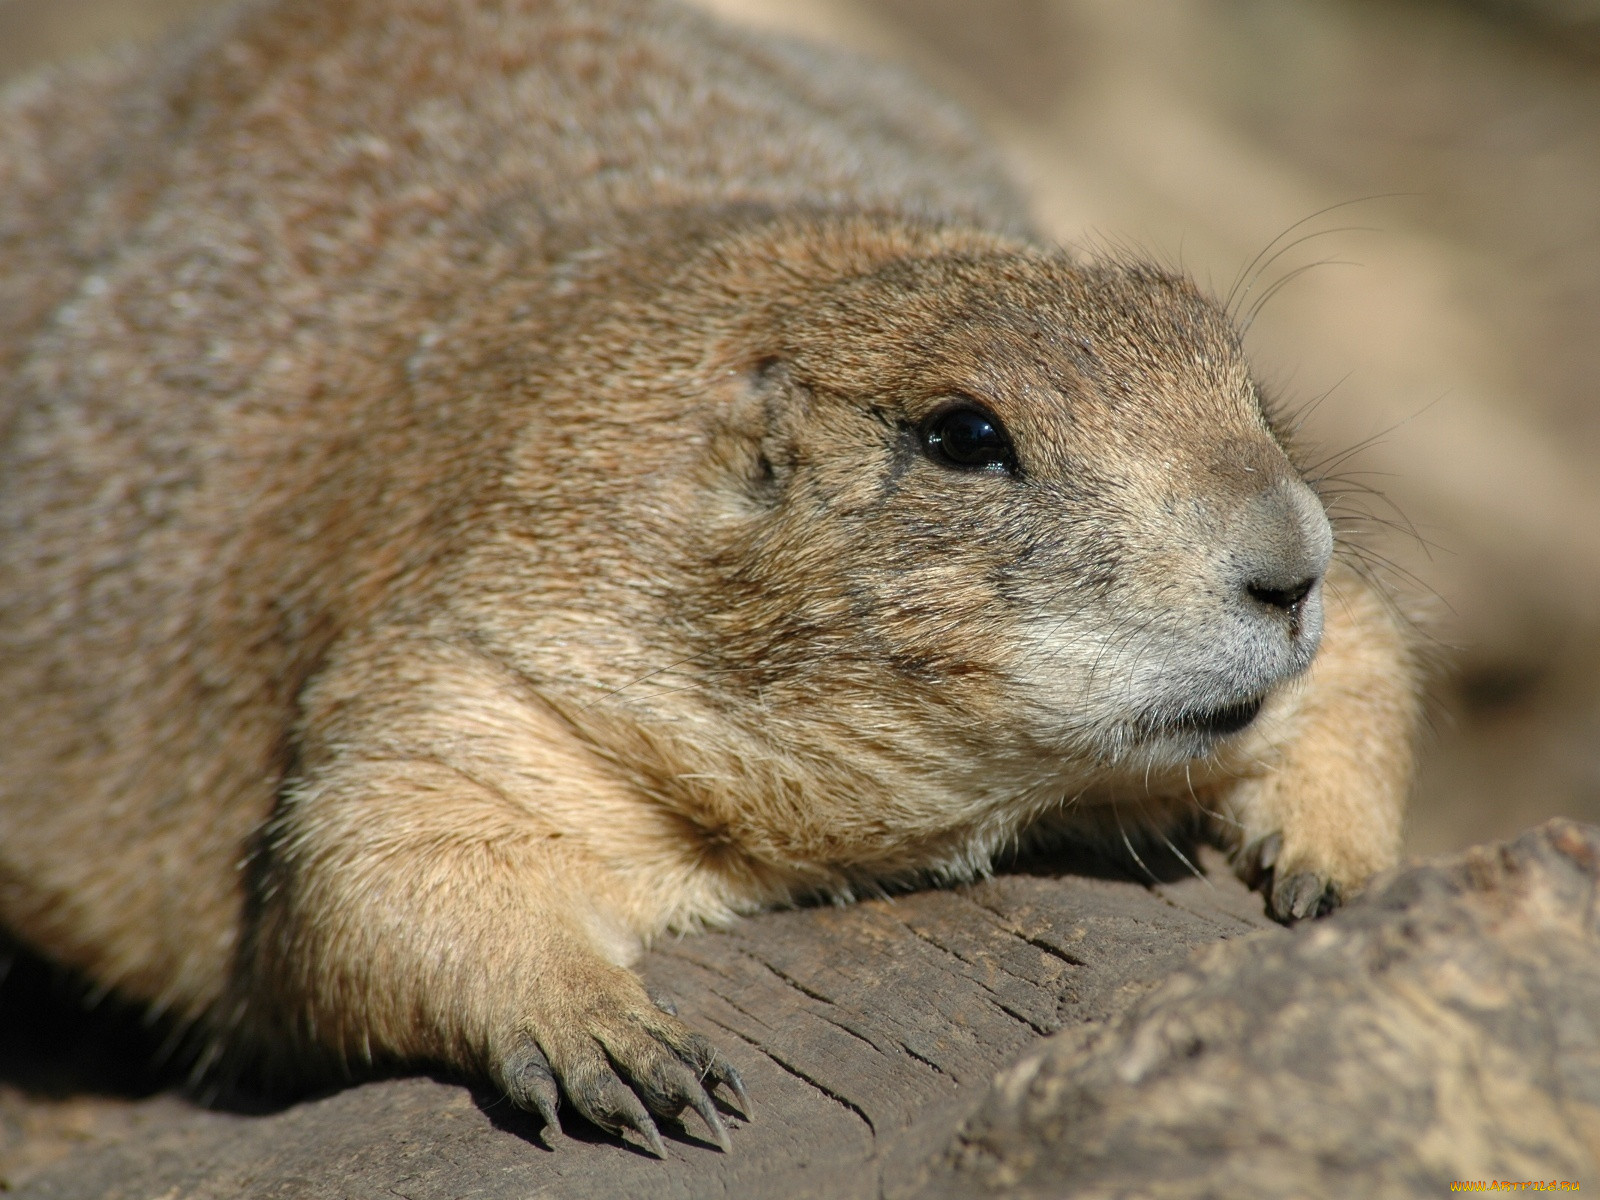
(1325, 814)
(409, 913)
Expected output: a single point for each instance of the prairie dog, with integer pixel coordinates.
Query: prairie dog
(486, 482)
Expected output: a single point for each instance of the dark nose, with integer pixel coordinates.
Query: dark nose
(1288, 599)
(1281, 547)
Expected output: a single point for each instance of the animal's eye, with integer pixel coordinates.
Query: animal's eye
(968, 438)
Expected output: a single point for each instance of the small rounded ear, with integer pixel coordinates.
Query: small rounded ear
(752, 443)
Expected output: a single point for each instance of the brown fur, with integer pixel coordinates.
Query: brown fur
(465, 511)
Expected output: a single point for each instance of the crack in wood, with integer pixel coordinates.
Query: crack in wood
(1040, 944)
(1041, 1030)
(811, 994)
(1034, 940)
(930, 940)
(990, 963)
(821, 1088)
(1211, 916)
(709, 965)
(792, 981)
(738, 1008)
(927, 1062)
(860, 1037)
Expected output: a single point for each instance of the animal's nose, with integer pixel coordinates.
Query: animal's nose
(1289, 599)
(1281, 548)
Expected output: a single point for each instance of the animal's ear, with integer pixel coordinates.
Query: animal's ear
(752, 445)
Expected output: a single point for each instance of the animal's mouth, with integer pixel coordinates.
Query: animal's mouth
(1229, 719)
(1211, 723)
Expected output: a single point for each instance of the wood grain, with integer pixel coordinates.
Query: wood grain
(865, 1035)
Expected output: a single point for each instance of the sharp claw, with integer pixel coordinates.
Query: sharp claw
(620, 1078)
(723, 1072)
(1258, 858)
(545, 1101)
(629, 1113)
(1306, 902)
(1309, 903)
(1267, 851)
(663, 1001)
(701, 1103)
(646, 1128)
(533, 1085)
(1297, 897)
(708, 1061)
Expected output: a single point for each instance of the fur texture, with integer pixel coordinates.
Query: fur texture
(472, 498)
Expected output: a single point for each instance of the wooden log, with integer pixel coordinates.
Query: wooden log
(864, 1033)
(1445, 1028)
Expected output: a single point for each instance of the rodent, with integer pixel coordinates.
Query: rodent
(485, 483)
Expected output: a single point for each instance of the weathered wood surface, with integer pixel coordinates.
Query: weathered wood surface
(865, 1035)
(1446, 1026)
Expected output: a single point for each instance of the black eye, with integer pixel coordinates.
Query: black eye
(969, 439)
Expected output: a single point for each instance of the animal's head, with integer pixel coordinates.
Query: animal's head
(998, 519)
(998, 484)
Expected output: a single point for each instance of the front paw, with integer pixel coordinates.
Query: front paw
(617, 1057)
(1293, 892)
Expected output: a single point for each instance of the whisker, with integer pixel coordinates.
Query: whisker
(1116, 811)
(1279, 284)
(1184, 859)
(672, 666)
(1300, 413)
(1250, 270)
(1281, 251)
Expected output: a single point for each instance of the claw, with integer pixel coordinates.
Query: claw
(546, 1097)
(611, 1104)
(663, 1001)
(639, 1121)
(709, 1062)
(1259, 857)
(532, 1084)
(722, 1071)
(619, 1062)
(1268, 850)
(669, 1086)
(701, 1103)
(1297, 897)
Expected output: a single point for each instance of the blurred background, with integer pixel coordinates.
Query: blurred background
(1435, 164)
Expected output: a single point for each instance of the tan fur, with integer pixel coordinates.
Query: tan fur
(466, 510)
